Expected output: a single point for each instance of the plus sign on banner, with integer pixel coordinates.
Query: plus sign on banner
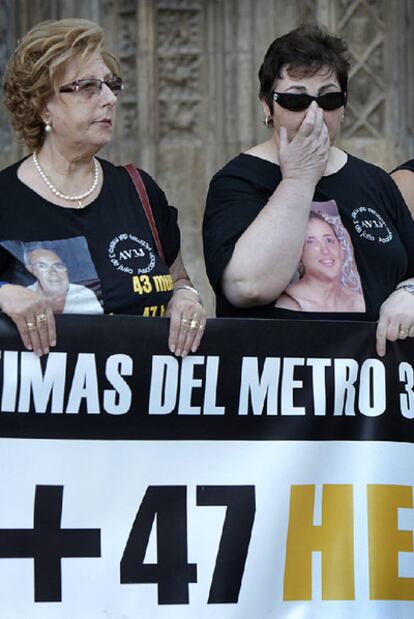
(266, 476)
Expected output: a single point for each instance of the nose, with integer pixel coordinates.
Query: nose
(325, 249)
(108, 96)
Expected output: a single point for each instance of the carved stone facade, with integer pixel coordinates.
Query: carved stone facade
(190, 71)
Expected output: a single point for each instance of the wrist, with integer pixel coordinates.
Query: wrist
(188, 289)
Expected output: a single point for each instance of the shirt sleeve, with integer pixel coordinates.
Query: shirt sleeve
(233, 202)
(165, 217)
(403, 221)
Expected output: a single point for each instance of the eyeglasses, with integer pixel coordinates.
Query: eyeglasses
(46, 266)
(297, 102)
(91, 87)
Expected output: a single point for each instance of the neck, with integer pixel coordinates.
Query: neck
(70, 180)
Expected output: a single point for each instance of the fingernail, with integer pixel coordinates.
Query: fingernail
(184, 354)
(45, 351)
(177, 352)
(39, 352)
(53, 343)
(172, 348)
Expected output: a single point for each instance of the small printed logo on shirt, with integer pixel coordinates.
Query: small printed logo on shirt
(370, 225)
(131, 255)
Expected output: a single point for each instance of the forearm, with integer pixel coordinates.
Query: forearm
(267, 254)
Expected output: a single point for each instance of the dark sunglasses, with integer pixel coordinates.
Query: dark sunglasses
(297, 102)
(91, 87)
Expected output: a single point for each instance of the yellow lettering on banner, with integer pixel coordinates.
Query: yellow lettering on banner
(334, 539)
(386, 541)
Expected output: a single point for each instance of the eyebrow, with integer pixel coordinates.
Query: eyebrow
(90, 77)
(303, 88)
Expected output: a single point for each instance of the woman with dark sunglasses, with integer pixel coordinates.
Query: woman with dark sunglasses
(61, 89)
(258, 205)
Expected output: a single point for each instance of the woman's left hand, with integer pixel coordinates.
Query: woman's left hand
(187, 322)
(396, 319)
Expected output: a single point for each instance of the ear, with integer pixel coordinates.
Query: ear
(266, 109)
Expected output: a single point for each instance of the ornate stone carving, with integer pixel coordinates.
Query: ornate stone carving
(179, 35)
(362, 25)
(6, 45)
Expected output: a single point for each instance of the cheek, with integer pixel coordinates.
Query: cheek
(333, 122)
(290, 120)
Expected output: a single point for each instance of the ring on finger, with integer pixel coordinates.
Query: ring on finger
(31, 326)
(41, 319)
(184, 321)
(402, 332)
(194, 324)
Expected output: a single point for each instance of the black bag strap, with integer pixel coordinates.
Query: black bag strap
(142, 192)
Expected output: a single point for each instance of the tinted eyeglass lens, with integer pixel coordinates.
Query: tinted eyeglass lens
(331, 101)
(115, 84)
(299, 102)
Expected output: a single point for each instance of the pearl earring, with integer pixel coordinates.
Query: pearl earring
(48, 127)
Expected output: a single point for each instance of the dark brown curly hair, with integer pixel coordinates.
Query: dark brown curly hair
(303, 51)
(37, 65)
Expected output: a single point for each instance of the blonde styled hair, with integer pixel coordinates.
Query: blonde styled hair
(37, 65)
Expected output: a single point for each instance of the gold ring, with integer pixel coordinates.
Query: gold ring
(41, 319)
(31, 326)
(184, 321)
(402, 332)
(194, 324)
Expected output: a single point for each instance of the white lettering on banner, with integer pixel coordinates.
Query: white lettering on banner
(261, 389)
(289, 385)
(190, 386)
(319, 383)
(372, 395)
(117, 401)
(406, 375)
(346, 373)
(169, 385)
(31, 387)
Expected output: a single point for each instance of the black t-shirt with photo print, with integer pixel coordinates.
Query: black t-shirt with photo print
(370, 207)
(106, 247)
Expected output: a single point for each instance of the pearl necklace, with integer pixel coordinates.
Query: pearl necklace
(59, 194)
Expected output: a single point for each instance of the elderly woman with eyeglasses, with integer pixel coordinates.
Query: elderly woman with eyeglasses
(258, 205)
(61, 88)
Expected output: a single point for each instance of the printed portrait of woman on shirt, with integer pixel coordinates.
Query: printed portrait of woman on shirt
(327, 279)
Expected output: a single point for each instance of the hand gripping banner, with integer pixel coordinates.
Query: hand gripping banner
(270, 475)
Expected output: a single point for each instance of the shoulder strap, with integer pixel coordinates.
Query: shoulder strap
(142, 192)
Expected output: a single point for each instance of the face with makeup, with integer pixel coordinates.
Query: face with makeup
(296, 81)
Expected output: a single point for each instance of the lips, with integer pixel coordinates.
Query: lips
(107, 122)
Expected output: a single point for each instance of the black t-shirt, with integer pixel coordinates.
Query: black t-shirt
(408, 165)
(370, 207)
(102, 255)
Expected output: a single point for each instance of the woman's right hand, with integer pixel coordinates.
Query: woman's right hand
(305, 157)
(33, 316)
